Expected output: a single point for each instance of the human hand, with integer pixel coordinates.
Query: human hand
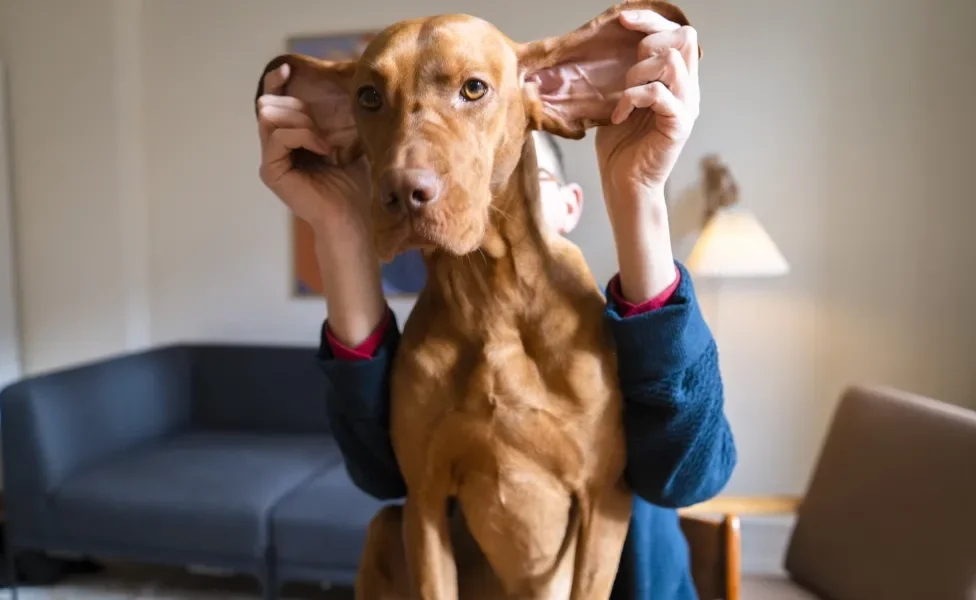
(333, 200)
(325, 196)
(639, 150)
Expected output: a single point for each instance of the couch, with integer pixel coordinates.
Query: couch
(215, 456)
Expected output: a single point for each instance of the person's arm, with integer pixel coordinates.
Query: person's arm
(357, 344)
(334, 203)
(358, 402)
(350, 276)
(679, 443)
(680, 446)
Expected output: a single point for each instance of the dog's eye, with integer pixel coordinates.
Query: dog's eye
(474, 89)
(370, 98)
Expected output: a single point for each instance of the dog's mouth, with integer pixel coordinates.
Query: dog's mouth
(457, 234)
(400, 236)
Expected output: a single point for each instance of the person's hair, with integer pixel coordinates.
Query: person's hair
(557, 152)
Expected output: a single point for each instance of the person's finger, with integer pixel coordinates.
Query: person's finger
(281, 102)
(677, 78)
(647, 70)
(668, 68)
(684, 39)
(289, 102)
(274, 80)
(273, 116)
(646, 21)
(655, 96)
(282, 141)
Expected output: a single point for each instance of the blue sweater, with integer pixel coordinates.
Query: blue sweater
(680, 447)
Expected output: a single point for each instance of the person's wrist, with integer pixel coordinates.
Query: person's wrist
(634, 207)
(350, 277)
(340, 239)
(639, 219)
(337, 219)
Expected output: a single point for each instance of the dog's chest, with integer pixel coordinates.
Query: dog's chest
(507, 397)
(508, 371)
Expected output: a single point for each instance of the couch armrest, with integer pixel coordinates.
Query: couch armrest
(745, 505)
(57, 423)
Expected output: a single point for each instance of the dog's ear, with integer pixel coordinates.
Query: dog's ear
(574, 81)
(324, 87)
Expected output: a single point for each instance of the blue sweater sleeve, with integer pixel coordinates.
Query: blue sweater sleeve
(680, 448)
(358, 405)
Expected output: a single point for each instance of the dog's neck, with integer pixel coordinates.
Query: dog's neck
(510, 268)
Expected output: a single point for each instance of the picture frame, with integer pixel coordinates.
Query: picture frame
(406, 275)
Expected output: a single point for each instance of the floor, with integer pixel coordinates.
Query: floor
(128, 582)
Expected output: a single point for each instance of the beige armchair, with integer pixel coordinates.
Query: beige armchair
(890, 512)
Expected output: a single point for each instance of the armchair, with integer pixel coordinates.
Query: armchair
(887, 514)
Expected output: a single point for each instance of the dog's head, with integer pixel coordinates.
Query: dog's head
(442, 107)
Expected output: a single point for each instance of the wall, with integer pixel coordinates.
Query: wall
(901, 285)
(64, 109)
(9, 333)
(141, 218)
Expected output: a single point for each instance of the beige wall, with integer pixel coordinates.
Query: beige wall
(9, 334)
(141, 219)
(62, 77)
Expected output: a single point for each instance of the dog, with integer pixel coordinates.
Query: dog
(505, 402)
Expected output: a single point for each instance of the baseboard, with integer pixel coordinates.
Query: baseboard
(764, 543)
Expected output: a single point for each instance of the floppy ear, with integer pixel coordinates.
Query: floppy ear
(574, 81)
(324, 87)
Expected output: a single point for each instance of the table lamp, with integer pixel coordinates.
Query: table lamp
(733, 243)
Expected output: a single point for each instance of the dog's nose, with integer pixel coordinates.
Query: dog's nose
(410, 189)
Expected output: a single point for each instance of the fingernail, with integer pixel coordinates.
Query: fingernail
(631, 15)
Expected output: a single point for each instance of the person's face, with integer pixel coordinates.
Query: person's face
(562, 202)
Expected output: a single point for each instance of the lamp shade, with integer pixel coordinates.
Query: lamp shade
(735, 244)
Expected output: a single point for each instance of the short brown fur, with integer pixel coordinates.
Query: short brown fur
(504, 390)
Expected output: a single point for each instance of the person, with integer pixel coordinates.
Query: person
(680, 447)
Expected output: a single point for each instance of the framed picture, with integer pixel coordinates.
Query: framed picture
(406, 275)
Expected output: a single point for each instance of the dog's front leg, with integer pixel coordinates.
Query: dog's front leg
(430, 555)
(604, 519)
(382, 573)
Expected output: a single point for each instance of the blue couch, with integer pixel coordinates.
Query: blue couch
(207, 455)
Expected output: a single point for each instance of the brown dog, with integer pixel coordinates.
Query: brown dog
(504, 390)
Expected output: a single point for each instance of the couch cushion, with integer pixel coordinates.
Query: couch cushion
(772, 587)
(323, 523)
(199, 492)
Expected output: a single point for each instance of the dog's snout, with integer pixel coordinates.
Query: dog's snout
(409, 188)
